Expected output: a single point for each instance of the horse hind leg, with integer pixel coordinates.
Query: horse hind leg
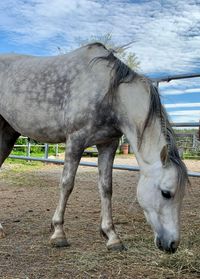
(105, 163)
(8, 137)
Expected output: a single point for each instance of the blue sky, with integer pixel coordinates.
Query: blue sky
(166, 35)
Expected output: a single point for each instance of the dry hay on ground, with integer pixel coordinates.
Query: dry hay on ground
(28, 199)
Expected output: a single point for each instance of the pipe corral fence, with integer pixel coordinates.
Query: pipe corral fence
(115, 166)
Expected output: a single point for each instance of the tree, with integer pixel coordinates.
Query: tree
(128, 58)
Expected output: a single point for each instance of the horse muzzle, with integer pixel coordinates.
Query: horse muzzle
(166, 245)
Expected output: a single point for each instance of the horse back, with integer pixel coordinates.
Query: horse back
(52, 95)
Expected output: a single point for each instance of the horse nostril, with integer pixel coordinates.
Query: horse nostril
(173, 246)
(159, 243)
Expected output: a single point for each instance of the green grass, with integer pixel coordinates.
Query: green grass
(191, 157)
(20, 163)
(33, 154)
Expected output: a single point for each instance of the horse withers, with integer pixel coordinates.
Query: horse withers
(90, 97)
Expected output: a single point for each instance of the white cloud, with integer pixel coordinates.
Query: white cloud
(189, 113)
(166, 35)
(180, 91)
(184, 116)
(181, 83)
(184, 119)
(180, 87)
(182, 105)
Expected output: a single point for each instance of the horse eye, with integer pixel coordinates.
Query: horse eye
(166, 194)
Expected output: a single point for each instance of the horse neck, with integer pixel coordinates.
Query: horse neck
(148, 150)
(133, 106)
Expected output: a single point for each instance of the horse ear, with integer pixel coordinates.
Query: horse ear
(164, 155)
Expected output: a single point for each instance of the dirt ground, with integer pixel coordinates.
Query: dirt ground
(28, 197)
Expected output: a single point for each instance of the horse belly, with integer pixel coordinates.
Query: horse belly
(41, 123)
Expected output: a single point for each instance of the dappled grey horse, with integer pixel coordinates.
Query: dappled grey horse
(90, 97)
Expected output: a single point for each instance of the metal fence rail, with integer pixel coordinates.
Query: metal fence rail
(88, 164)
(175, 77)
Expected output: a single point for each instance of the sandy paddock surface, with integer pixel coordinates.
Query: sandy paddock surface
(28, 199)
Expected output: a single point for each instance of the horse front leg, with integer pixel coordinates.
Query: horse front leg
(72, 158)
(105, 164)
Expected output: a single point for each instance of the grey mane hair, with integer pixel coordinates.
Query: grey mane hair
(156, 110)
(121, 73)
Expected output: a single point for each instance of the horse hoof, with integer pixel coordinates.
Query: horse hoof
(117, 247)
(59, 242)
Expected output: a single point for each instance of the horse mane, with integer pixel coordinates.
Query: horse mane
(156, 110)
(121, 73)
